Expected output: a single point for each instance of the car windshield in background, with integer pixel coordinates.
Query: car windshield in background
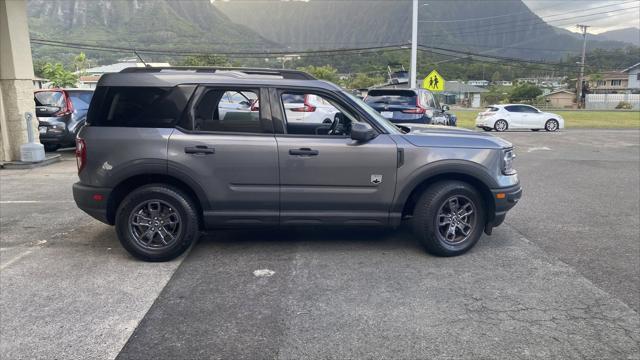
(80, 99)
(49, 98)
(391, 97)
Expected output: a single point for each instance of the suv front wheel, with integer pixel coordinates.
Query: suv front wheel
(449, 218)
(157, 222)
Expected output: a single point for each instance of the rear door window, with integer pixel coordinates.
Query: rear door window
(228, 110)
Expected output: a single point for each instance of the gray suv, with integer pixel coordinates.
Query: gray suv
(166, 153)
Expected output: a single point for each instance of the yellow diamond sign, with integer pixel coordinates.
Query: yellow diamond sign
(433, 82)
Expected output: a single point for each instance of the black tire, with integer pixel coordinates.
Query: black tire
(426, 219)
(552, 125)
(173, 199)
(500, 128)
(51, 147)
(535, 129)
(487, 129)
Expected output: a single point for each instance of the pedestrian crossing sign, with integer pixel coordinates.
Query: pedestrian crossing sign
(433, 82)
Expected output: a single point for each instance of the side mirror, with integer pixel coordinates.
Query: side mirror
(362, 132)
(445, 108)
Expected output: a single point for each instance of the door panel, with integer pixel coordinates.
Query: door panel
(238, 173)
(334, 180)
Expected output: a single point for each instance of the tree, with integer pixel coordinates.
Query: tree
(81, 63)
(58, 76)
(524, 92)
(326, 72)
(205, 60)
(362, 81)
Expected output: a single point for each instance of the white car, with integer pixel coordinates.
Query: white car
(308, 109)
(518, 116)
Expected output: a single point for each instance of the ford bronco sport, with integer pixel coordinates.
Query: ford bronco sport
(163, 157)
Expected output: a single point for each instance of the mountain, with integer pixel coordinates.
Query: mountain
(148, 24)
(629, 35)
(497, 27)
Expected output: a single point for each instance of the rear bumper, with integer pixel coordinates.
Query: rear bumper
(92, 200)
(504, 199)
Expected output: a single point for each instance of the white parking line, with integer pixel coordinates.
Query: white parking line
(35, 201)
(18, 257)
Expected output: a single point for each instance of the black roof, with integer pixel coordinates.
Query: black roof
(171, 76)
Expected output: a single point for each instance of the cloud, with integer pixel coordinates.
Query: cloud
(553, 11)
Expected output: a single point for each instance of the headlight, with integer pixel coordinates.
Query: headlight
(507, 161)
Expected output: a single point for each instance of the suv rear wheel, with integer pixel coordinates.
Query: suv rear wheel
(157, 222)
(449, 218)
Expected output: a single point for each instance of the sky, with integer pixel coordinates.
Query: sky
(551, 10)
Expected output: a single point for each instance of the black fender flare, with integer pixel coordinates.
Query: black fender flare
(464, 168)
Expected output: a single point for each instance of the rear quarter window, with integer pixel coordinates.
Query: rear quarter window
(155, 107)
(391, 97)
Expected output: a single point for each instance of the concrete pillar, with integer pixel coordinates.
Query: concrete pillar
(16, 78)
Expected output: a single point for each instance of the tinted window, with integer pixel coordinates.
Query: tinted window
(528, 109)
(391, 97)
(214, 112)
(492, 109)
(49, 98)
(80, 99)
(139, 106)
(513, 108)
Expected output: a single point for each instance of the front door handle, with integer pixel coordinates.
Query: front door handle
(199, 149)
(303, 152)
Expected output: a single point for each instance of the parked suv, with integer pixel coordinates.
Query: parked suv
(157, 160)
(61, 113)
(418, 106)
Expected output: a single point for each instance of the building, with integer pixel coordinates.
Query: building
(117, 67)
(633, 78)
(503, 83)
(464, 94)
(88, 81)
(39, 83)
(609, 82)
(560, 99)
(481, 83)
(552, 82)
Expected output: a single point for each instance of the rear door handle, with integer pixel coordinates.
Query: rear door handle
(303, 152)
(199, 149)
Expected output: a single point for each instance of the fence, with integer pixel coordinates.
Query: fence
(610, 101)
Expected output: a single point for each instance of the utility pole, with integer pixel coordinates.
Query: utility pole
(579, 86)
(414, 45)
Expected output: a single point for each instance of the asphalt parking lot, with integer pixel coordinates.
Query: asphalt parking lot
(560, 279)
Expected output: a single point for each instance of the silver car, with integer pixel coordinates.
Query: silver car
(163, 156)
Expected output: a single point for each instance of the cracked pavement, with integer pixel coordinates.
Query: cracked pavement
(559, 280)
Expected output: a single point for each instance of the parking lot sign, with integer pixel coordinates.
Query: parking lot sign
(434, 81)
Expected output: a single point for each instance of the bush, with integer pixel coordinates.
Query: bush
(623, 105)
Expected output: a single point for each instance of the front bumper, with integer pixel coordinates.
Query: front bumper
(504, 199)
(92, 200)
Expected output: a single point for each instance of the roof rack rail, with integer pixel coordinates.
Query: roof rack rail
(286, 74)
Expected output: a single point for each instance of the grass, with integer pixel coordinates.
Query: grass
(573, 119)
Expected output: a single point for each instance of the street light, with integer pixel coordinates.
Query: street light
(414, 45)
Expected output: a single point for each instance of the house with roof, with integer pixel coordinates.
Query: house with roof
(89, 77)
(626, 81)
(560, 99)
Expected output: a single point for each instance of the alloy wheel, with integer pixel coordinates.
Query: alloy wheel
(501, 125)
(552, 125)
(456, 219)
(155, 224)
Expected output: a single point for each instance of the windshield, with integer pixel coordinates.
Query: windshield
(386, 124)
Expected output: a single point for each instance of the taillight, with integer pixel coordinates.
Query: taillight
(68, 108)
(417, 110)
(306, 107)
(81, 154)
